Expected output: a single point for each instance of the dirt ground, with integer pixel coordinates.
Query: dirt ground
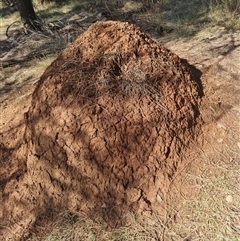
(111, 125)
(216, 156)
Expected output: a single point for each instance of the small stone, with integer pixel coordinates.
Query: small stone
(104, 205)
(238, 144)
(221, 126)
(229, 198)
(159, 199)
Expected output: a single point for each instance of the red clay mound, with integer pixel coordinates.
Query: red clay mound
(108, 123)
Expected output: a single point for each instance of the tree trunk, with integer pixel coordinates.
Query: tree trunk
(27, 14)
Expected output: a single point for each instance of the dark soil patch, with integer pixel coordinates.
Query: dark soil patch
(107, 128)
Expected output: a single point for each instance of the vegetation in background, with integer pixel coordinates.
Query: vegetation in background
(186, 18)
(189, 17)
(225, 13)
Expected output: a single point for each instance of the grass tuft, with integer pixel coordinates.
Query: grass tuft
(225, 13)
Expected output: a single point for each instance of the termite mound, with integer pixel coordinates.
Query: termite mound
(109, 122)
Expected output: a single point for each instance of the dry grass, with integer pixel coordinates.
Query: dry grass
(225, 13)
(213, 212)
(187, 18)
(78, 226)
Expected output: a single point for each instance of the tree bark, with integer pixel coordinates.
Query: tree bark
(27, 14)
